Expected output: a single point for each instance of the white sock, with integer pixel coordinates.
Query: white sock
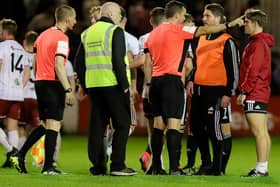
(130, 131)
(13, 138)
(4, 141)
(57, 147)
(21, 141)
(110, 133)
(109, 150)
(262, 167)
(108, 139)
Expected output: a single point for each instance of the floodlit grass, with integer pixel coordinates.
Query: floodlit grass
(73, 160)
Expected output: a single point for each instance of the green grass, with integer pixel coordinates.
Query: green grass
(73, 160)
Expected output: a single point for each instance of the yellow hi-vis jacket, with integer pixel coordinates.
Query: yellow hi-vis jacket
(97, 41)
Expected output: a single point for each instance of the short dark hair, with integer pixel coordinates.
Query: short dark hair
(30, 37)
(258, 16)
(217, 10)
(189, 18)
(157, 15)
(173, 7)
(9, 25)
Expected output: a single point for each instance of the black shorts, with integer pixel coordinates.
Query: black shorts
(147, 108)
(167, 96)
(251, 106)
(51, 99)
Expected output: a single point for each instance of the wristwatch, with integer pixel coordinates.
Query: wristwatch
(68, 90)
(125, 90)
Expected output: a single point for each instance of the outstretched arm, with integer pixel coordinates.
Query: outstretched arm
(217, 28)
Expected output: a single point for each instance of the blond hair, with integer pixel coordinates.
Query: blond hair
(94, 9)
(9, 25)
(63, 12)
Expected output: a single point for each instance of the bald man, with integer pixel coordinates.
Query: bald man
(106, 77)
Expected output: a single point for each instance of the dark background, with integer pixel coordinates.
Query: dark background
(39, 14)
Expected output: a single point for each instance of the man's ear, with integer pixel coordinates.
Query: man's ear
(177, 15)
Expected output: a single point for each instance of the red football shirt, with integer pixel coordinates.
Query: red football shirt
(165, 45)
(50, 43)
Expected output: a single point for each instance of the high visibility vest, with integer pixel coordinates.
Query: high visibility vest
(211, 69)
(97, 41)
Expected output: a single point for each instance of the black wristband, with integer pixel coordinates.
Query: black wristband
(68, 90)
(227, 27)
(148, 84)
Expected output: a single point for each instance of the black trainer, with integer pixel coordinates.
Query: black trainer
(98, 170)
(124, 172)
(255, 173)
(51, 171)
(189, 170)
(149, 170)
(8, 163)
(19, 163)
(155, 171)
(203, 169)
(177, 172)
(213, 172)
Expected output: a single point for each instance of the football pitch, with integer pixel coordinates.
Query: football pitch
(74, 162)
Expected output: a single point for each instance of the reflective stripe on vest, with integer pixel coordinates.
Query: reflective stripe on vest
(97, 41)
(106, 51)
(210, 69)
(102, 66)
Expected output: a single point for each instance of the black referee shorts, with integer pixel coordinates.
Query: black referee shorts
(167, 96)
(51, 99)
(147, 108)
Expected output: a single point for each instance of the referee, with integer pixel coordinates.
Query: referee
(165, 46)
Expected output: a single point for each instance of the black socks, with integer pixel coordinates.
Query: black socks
(156, 145)
(50, 143)
(34, 136)
(226, 152)
(173, 138)
(191, 150)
